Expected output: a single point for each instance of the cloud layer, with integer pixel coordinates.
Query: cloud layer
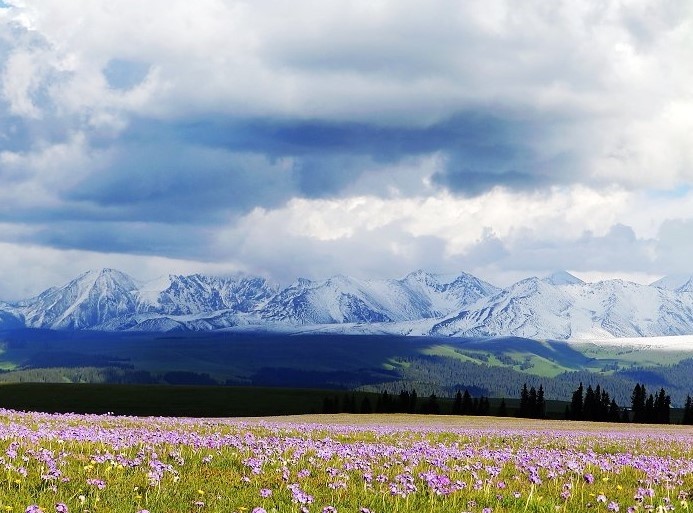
(360, 137)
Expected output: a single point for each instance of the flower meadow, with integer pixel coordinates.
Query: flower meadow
(89, 463)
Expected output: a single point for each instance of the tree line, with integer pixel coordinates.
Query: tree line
(591, 404)
(408, 401)
(441, 375)
(595, 405)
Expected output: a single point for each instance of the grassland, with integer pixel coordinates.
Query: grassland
(328, 464)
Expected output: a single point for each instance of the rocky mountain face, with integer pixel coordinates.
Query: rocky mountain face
(559, 306)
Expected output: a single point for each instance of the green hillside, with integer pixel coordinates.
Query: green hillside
(495, 367)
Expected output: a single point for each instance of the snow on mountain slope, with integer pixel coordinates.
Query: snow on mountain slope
(559, 306)
(563, 278)
(88, 300)
(677, 282)
(443, 295)
(536, 308)
(337, 300)
(531, 308)
(197, 293)
(341, 299)
(10, 318)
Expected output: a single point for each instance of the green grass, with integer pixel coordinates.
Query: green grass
(347, 462)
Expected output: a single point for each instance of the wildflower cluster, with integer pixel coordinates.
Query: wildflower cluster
(88, 464)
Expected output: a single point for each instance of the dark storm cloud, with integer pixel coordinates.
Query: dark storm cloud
(481, 150)
(176, 241)
(179, 183)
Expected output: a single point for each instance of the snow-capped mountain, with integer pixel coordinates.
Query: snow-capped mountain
(677, 282)
(341, 299)
(559, 278)
(89, 300)
(110, 300)
(559, 306)
(572, 309)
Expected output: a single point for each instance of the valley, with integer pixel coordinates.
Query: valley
(495, 367)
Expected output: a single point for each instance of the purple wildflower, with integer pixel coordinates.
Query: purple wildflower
(98, 483)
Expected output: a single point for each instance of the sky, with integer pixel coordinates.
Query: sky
(365, 137)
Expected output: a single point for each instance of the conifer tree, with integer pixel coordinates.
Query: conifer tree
(604, 406)
(662, 406)
(502, 408)
(457, 404)
(589, 407)
(432, 405)
(541, 403)
(532, 403)
(467, 403)
(524, 401)
(614, 412)
(484, 406)
(366, 405)
(576, 404)
(649, 415)
(688, 411)
(638, 403)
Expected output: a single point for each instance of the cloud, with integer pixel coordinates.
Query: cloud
(372, 237)
(515, 96)
(27, 270)
(272, 136)
(675, 245)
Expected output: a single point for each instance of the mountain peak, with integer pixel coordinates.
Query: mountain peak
(676, 282)
(559, 278)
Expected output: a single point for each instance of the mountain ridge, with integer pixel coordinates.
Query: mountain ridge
(559, 306)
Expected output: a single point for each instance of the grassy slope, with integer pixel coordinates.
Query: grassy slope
(309, 361)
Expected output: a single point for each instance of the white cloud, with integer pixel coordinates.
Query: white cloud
(440, 232)
(36, 178)
(21, 79)
(43, 267)
(391, 60)
(606, 83)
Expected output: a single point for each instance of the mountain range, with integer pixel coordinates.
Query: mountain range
(559, 306)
